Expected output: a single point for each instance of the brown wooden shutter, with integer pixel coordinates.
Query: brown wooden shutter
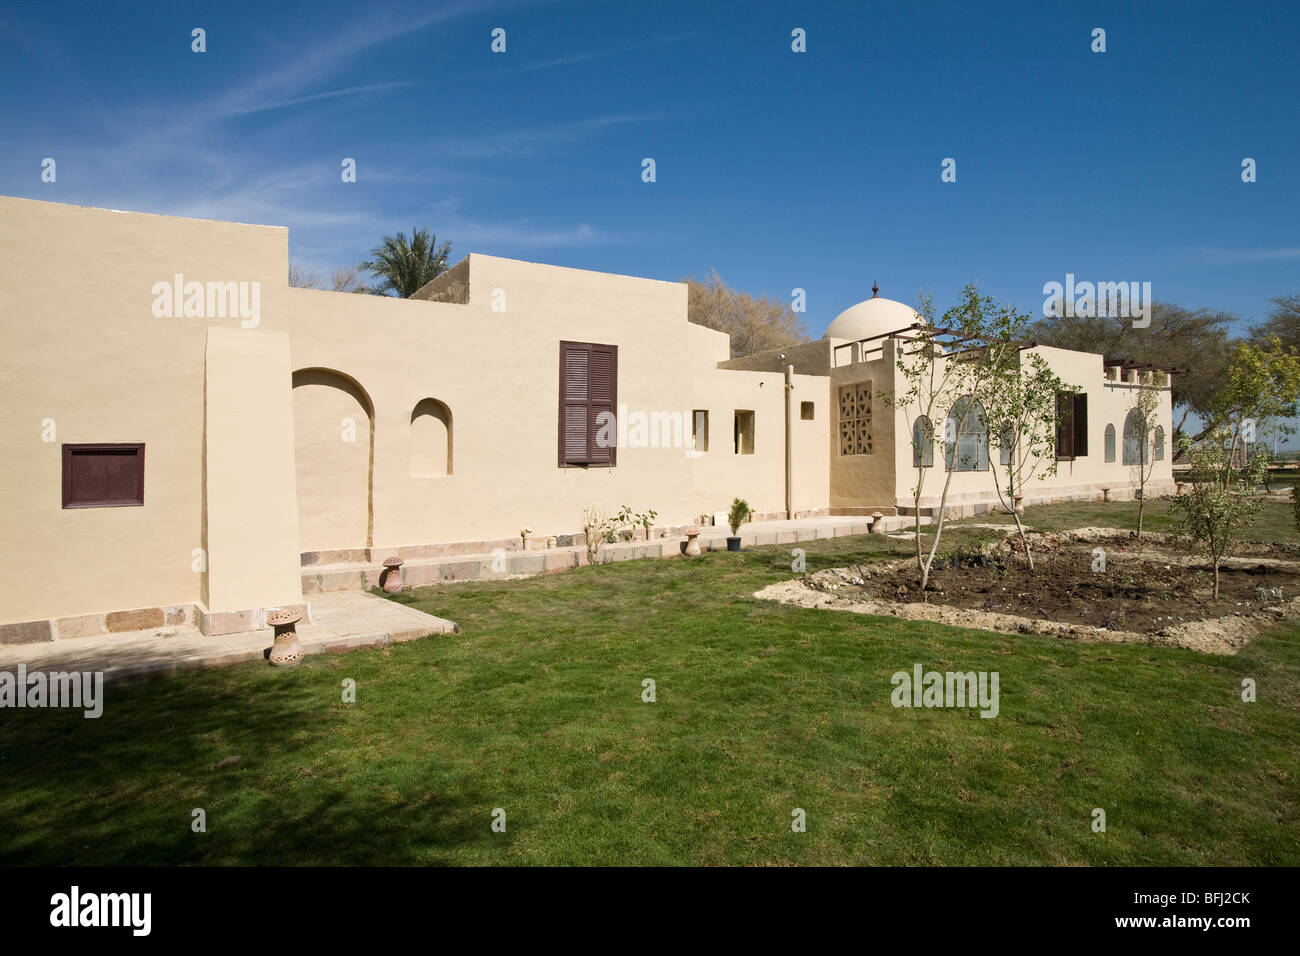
(588, 389)
(103, 475)
(574, 362)
(600, 397)
(1080, 424)
(1064, 425)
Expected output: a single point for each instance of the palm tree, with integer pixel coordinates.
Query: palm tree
(404, 267)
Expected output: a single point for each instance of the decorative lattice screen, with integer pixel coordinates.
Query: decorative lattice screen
(855, 419)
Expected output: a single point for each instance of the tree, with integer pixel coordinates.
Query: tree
(1259, 392)
(346, 279)
(1217, 512)
(1261, 389)
(1022, 406)
(405, 267)
(1144, 418)
(754, 324)
(1196, 339)
(955, 375)
(1283, 322)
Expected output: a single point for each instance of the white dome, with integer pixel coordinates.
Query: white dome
(871, 317)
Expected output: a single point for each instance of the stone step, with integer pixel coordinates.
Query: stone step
(336, 623)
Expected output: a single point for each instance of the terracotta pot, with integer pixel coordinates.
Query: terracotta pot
(390, 579)
(285, 649)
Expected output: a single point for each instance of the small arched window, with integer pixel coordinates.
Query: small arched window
(1134, 439)
(1160, 443)
(922, 443)
(966, 437)
(430, 439)
(1110, 442)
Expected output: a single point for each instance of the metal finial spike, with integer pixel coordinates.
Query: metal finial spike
(875, 290)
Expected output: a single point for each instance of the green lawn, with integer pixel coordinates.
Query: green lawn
(536, 708)
(1276, 521)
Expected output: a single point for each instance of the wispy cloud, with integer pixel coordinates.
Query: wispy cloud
(192, 155)
(520, 142)
(294, 76)
(327, 95)
(1251, 255)
(473, 235)
(601, 54)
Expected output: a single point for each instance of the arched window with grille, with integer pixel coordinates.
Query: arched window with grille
(1134, 443)
(966, 437)
(1007, 445)
(922, 443)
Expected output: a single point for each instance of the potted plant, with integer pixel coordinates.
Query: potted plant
(737, 516)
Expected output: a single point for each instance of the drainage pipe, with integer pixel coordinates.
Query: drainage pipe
(789, 447)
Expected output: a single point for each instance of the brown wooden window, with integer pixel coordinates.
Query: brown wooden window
(1071, 425)
(588, 404)
(807, 411)
(103, 475)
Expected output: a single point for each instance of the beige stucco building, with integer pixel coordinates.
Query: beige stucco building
(184, 432)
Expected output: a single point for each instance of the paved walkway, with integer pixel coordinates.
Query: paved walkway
(485, 564)
(340, 621)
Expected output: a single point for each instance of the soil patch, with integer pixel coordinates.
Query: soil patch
(1154, 592)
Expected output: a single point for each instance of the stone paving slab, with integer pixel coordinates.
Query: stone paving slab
(340, 621)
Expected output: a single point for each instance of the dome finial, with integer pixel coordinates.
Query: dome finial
(875, 290)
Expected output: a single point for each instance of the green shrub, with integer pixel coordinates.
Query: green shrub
(738, 515)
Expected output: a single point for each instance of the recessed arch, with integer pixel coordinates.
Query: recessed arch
(431, 439)
(334, 454)
(1110, 442)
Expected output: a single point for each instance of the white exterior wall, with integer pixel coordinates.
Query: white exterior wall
(1083, 478)
(719, 475)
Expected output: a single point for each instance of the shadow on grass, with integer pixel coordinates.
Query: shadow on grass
(248, 746)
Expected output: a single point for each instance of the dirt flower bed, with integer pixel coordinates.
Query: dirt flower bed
(1156, 592)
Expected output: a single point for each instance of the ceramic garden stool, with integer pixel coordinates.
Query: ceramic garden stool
(391, 578)
(285, 650)
(692, 542)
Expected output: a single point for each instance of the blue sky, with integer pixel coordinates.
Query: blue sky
(818, 170)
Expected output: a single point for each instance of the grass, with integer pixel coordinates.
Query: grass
(536, 708)
(1275, 522)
